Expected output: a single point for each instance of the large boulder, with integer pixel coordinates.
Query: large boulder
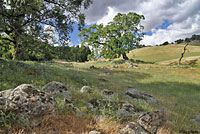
(29, 105)
(58, 90)
(148, 123)
(136, 95)
(151, 121)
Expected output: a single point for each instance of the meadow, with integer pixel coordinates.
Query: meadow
(177, 88)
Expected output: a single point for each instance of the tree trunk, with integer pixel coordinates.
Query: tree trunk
(18, 53)
(125, 56)
(182, 54)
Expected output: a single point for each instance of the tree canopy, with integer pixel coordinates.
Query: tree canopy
(115, 39)
(25, 21)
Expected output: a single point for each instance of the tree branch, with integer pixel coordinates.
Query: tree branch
(7, 39)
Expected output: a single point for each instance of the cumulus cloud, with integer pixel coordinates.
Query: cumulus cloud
(184, 15)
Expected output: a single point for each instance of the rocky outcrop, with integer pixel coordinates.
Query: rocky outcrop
(148, 123)
(136, 95)
(151, 121)
(29, 105)
(58, 90)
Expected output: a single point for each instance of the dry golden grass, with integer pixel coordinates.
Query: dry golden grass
(69, 124)
(60, 124)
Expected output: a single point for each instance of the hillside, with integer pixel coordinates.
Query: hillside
(175, 88)
(165, 53)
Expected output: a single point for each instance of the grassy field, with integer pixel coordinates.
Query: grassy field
(164, 53)
(176, 88)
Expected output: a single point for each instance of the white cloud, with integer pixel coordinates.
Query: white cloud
(175, 31)
(184, 14)
(109, 17)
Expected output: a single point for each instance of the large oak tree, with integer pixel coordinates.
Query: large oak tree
(115, 39)
(23, 21)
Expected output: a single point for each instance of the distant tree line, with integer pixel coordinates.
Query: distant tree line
(47, 52)
(194, 37)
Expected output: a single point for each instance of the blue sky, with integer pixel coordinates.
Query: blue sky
(164, 25)
(165, 20)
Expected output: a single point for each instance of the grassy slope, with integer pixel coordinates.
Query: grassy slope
(164, 53)
(177, 89)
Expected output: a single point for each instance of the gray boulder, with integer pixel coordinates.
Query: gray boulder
(151, 121)
(107, 92)
(136, 95)
(128, 111)
(58, 90)
(86, 89)
(29, 105)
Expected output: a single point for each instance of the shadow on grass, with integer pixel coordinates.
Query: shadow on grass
(180, 99)
(14, 73)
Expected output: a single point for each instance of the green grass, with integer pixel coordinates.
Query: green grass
(177, 89)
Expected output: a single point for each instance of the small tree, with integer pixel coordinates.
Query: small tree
(115, 39)
(179, 41)
(165, 43)
(187, 40)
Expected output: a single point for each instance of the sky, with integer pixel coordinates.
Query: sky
(165, 20)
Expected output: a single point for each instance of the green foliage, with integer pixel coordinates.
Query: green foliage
(22, 21)
(119, 36)
(72, 53)
(179, 41)
(195, 37)
(165, 43)
(6, 119)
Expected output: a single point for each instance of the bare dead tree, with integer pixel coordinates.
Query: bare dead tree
(182, 54)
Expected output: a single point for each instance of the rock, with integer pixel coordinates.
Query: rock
(74, 109)
(128, 111)
(93, 67)
(130, 66)
(150, 121)
(95, 132)
(58, 90)
(107, 92)
(86, 89)
(138, 95)
(123, 109)
(30, 105)
(136, 67)
(133, 128)
(107, 73)
(196, 120)
(84, 81)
